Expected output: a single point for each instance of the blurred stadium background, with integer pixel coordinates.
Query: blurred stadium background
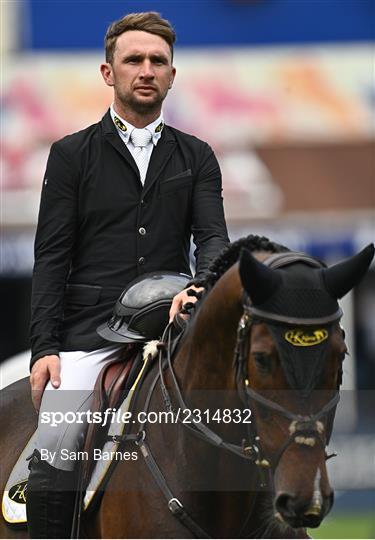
(284, 91)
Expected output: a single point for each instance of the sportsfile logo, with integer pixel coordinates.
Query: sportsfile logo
(303, 338)
(117, 416)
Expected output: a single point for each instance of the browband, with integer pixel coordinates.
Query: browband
(259, 313)
(278, 260)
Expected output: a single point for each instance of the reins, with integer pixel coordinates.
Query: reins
(173, 503)
(202, 431)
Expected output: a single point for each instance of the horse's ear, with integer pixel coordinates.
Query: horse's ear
(259, 281)
(342, 277)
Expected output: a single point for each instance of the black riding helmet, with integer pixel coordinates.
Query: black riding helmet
(141, 312)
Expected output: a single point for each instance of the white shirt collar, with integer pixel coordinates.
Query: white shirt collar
(124, 128)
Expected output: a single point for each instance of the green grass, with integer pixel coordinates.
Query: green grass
(346, 525)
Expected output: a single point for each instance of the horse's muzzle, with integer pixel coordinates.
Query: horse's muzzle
(296, 513)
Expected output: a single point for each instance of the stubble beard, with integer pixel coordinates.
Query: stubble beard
(139, 106)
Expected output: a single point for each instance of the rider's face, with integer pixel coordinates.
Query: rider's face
(141, 71)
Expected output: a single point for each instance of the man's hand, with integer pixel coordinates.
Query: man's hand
(182, 298)
(45, 369)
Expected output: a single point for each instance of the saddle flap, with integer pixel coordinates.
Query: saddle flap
(108, 390)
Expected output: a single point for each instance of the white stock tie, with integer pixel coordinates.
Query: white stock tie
(140, 139)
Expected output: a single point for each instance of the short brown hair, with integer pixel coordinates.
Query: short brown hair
(150, 21)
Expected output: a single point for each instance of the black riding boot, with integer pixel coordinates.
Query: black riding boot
(50, 500)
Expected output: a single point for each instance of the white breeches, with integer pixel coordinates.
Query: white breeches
(60, 435)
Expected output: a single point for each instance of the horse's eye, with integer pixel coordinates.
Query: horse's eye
(263, 361)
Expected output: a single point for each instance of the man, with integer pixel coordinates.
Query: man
(119, 199)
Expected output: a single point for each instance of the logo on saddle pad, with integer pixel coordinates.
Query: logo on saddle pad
(303, 338)
(18, 492)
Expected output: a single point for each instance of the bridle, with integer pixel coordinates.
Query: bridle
(303, 429)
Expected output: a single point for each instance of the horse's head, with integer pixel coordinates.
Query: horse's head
(291, 353)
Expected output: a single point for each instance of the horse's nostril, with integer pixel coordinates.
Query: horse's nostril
(285, 504)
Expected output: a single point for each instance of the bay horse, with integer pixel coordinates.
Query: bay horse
(257, 373)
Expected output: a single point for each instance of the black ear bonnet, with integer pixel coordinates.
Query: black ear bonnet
(296, 296)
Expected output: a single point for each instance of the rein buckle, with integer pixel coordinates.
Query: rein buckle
(175, 506)
(264, 463)
(248, 450)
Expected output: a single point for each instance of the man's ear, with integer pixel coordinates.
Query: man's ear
(107, 74)
(173, 75)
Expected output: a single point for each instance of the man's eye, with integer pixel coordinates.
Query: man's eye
(263, 361)
(159, 61)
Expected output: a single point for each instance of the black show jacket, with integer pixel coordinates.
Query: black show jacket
(99, 228)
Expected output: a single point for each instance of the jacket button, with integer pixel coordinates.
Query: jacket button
(143, 204)
(141, 260)
(142, 231)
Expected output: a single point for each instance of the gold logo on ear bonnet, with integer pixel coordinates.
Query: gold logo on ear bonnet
(304, 338)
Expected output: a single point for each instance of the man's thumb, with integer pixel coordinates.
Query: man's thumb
(55, 374)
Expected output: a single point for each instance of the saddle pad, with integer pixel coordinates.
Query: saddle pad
(14, 496)
(15, 492)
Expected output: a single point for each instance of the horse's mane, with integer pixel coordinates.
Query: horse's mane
(227, 257)
(230, 254)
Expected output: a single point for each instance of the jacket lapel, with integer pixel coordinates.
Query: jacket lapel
(111, 135)
(159, 158)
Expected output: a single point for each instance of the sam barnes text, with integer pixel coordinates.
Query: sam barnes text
(98, 454)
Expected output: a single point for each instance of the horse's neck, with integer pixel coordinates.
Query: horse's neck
(205, 359)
